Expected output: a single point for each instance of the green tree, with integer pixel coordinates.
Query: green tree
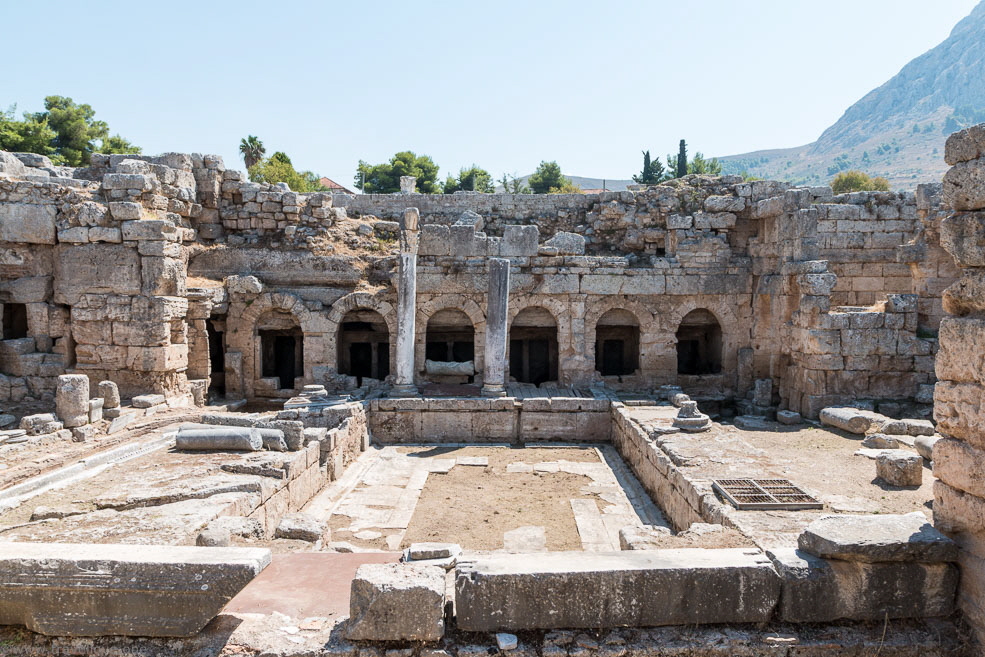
(710, 167)
(385, 178)
(514, 185)
(66, 132)
(857, 181)
(682, 160)
(76, 129)
(547, 178)
(252, 150)
(653, 171)
(278, 168)
(27, 136)
(117, 144)
(473, 179)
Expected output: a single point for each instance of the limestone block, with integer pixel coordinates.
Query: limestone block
(302, 527)
(725, 204)
(103, 234)
(27, 223)
(925, 446)
(519, 241)
(592, 590)
(157, 359)
(819, 590)
(963, 236)
(72, 399)
(110, 394)
(967, 295)
(249, 285)
(95, 269)
(960, 357)
(880, 441)
(961, 515)
(847, 419)
(129, 590)
(84, 433)
(965, 145)
(788, 417)
(959, 409)
(150, 229)
(128, 181)
(899, 468)
(397, 602)
(219, 438)
(147, 401)
(877, 538)
(74, 235)
(162, 276)
(567, 243)
(95, 409)
(960, 465)
(126, 210)
(964, 185)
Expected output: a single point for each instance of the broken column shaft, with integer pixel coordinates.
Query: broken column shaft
(497, 311)
(406, 305)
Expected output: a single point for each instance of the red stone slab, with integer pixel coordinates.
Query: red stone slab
(305, 584)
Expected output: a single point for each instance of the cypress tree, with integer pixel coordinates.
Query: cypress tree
(682, 160)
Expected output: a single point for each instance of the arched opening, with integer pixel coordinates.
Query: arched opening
(617, 343)
(281, 348)
(449, 338)
(364, 345)
(699, 344)
(533, 346)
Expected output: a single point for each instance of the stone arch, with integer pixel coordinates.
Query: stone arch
(727, 321)
(436, 304)
(247, 334)
(649, 329)
(565, 357)
(357, 301)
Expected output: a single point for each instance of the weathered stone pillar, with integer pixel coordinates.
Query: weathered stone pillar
(497, 312)
(406, 305)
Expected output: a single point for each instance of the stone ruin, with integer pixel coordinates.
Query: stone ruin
(282, 337)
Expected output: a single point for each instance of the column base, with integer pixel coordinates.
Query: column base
(404, 390)
(493, 390)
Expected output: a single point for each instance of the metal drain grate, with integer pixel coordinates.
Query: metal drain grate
(748, 494)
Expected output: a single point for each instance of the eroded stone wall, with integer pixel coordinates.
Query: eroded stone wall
(959, 458)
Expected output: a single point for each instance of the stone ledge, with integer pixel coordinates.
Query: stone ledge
(601, 590)
(126, 590)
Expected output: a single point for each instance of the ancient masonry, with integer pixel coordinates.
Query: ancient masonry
(254, 352)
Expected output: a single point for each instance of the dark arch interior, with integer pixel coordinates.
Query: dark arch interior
(533, 347)
(699, 344)
(364, 346)
(617, 343)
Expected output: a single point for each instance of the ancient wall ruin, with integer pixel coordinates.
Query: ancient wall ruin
(156, 271)
(959, 459)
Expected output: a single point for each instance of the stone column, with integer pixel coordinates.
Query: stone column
(497, 312)
(406, 305)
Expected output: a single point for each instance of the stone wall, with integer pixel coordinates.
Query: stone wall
(959, 458)
(501, 420)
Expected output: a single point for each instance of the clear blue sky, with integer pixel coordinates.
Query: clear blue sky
(503, 84)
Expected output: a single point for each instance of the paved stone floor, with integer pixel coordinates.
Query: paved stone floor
(373, 505)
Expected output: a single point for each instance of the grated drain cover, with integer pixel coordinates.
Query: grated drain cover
(777, 494)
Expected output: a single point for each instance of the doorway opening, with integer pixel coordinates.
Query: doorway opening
(364, 346)
(617, 343)
(699, 344)
(534, 347)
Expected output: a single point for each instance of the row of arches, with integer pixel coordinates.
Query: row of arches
(533, 353)
(277, 342)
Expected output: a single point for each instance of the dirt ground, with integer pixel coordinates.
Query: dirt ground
(475, 505)
(824, 460)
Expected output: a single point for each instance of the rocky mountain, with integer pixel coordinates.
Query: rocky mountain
(898, 130)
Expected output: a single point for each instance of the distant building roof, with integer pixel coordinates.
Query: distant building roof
(333, 186)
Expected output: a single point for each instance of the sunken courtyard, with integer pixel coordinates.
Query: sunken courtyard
(708, 417)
